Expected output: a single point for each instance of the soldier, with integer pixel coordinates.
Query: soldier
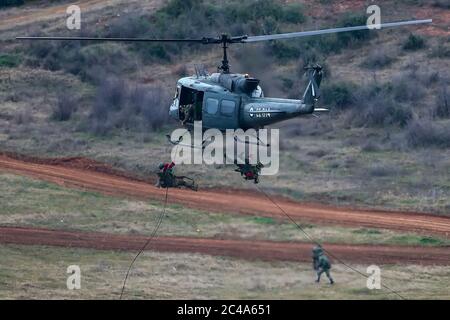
(321, 263)
(249, 171)
(167, 178)
(165, 175)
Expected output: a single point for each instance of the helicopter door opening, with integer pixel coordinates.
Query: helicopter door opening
(191, 102)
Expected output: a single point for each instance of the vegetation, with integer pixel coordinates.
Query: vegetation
(378, 59)
(120, 105)
(8, 3)
(375, 93)
(414, 42)
(425, 134)
(9, 60)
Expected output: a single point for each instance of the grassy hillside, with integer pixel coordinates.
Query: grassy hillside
(385, 143)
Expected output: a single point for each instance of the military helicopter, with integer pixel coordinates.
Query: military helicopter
(226, 100)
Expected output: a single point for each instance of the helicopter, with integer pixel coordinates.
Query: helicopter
(226, 100)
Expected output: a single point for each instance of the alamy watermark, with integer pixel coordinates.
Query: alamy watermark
(374, 20)
(73, 21)
(74, 280)
(214, 147)
(374, 278)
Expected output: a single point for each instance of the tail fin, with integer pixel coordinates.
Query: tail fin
(312, 92)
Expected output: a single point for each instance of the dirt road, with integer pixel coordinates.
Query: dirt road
(244, 249)
(88, 174)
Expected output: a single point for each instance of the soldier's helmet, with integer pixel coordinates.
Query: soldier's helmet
(161, 166)
(317, 250)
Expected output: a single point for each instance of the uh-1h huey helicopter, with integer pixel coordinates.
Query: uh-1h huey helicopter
(226, 100)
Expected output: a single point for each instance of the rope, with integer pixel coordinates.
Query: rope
(152, 236)
(317, 243)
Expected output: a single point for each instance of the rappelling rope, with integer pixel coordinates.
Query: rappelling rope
(152, 236)
(319, 244)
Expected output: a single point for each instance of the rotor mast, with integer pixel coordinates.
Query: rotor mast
(225, 67)
(225, 40)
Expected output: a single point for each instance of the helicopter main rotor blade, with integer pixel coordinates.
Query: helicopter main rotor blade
(115, 39)
(281, 36)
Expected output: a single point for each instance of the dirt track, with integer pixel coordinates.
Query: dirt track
(245, 249)
(87, 174)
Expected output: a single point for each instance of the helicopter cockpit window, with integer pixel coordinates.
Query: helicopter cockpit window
(212, 105)
(228, 107)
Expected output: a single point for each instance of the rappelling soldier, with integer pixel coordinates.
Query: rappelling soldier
(321, 263)
(249, 171)
(165, 175)
(168, 179)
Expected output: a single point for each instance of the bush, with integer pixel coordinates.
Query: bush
(407, 87)
(444, 4)
(121, 106)
(381, 170)
(442, 108)
(424, 133)
(441, 50)
(377, 59)
(414, 43)
(371, 146)
(379, 111)
(65, 107)
(8, 3)
(355, 37)
(199, 18)
(338, 95)
(9, 61)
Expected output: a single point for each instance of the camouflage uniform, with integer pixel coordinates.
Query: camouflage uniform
(167, 178)
(249, 171)
(321, 264)
(166, 175)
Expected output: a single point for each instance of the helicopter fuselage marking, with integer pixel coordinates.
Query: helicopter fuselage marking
(262, 112)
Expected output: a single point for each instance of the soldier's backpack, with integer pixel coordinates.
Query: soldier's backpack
(324, 263)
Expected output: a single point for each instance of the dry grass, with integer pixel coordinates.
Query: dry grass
(40, 273)
(36, 203)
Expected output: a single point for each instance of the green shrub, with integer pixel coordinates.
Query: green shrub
(347, 38)
(338, 95)
(407, 87)
(414, 43)
(380, 111)
(121, 106)
(9, 61)
(8, 3)
(378, 59)
(441, 50)
(444, 4)
(65, 107)
(442, 108)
